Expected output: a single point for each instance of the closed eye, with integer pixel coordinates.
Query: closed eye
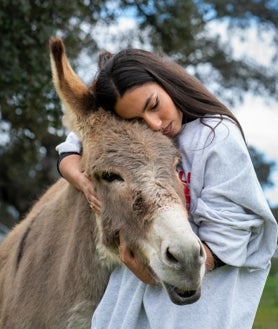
(111, 177)
(155, 104)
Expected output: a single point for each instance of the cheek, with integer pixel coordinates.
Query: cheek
(140, 209)
(170, 112)
(137, 218)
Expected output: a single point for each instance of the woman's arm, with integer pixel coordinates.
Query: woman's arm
(227, 203)
(69, 167)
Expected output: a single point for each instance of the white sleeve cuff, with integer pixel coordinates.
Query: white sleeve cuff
(71, 144)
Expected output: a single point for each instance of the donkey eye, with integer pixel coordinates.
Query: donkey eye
(111, 177)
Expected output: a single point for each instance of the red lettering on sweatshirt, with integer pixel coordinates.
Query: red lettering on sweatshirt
(186, 186)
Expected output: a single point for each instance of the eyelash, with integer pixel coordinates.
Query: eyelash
(155, 104)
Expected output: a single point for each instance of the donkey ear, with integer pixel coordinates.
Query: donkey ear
(103, 58)
(74, 94)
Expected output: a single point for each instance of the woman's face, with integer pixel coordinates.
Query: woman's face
(151, 103)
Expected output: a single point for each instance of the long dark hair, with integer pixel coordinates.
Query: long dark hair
(134, 67)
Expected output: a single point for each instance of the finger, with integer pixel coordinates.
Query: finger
(95, 208)
(94, 203)
(134, 264)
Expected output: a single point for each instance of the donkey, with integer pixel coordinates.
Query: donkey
(55, 264)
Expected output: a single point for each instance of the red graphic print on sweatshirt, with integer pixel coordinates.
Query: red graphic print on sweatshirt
(186, 186)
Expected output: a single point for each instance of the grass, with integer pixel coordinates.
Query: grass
(267, 315)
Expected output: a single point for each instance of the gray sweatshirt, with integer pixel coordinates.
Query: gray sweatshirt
(229, 212)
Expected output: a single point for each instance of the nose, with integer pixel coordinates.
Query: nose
(175, 255)
(153, 121)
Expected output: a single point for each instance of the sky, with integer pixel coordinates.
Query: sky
(260, 125)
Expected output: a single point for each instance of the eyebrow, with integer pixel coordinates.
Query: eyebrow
(148, 101)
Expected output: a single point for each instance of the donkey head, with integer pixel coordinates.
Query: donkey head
(133, 170)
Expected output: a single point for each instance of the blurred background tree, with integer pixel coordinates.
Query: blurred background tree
(30, 114)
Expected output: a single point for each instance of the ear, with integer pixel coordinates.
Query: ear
(74, 94)
(103, 58)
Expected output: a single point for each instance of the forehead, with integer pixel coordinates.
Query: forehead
(120, 143)
(132, 103)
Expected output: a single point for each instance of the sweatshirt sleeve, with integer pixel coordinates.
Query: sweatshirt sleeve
(230, 208)
(72, 144)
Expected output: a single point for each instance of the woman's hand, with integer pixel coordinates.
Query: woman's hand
(210, 259)
(134, 264)
(90, 193)
(130, 259)
(70, 169)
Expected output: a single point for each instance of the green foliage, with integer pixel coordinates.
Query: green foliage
(275, 214)
(262, 166)
(30, 114)
(29, 109)
(181, 29)
(267, 315)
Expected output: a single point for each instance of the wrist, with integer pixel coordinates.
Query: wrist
(62, 156)
(212, 261)
(209, 259)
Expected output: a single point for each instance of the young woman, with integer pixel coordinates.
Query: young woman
(226, 204)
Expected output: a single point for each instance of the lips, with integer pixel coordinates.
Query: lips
(167, 130)
(179, 296)
(182, 297)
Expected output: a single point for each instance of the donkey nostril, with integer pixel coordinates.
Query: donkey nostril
(170, 256)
